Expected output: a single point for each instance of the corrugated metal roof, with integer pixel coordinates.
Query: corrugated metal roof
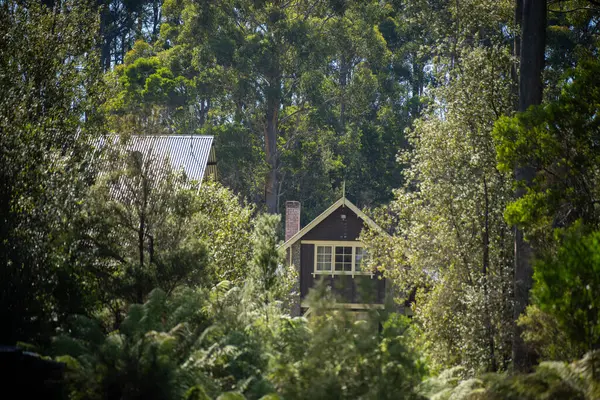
(194, 154)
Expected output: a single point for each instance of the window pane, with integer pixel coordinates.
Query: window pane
(324, 258)
(358, 259)
(324, 266)
(343, 258)
(361, 256)
(323, 250)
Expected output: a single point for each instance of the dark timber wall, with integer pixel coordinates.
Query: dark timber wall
(358, 290)
(307, 259)
(334, 228)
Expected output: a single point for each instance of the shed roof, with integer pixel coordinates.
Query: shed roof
(194, 154)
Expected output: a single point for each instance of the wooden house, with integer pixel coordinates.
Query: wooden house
(329, 248)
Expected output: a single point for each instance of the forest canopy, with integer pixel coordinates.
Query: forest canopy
(468, 130)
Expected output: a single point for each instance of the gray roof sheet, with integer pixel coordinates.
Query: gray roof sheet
(193, 154)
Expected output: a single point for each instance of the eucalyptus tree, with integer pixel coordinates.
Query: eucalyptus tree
(558, 211)
(361, 102)
(300, 97)
(122, 23)
(531, 64)
(559, 31)
(258, 53)
(451, 241)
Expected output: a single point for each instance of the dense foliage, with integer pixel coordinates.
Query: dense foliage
(448, 218)
(565, 287)
(558, 139)
(208, 342)
(147, 285)
(300, 97)
(551, 380)
(48, 83)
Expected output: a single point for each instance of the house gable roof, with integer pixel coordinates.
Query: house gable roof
(340, 203)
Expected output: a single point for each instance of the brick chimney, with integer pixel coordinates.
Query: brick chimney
(292, 218)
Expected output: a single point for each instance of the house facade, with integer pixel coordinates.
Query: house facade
(329, 249)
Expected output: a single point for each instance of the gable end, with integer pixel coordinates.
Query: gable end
(342, 224)
(354, 218)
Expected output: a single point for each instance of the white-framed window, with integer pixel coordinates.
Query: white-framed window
(343, 258)
(339, 258)
(323, 261)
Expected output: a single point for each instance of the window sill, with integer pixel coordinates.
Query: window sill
(342, 273)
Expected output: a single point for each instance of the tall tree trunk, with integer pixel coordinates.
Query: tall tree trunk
(124, 47)
(202, 113)
(139, 278)
(139, 31)
(533, 42)
(142, 228)
(517, 51)
(105, 37)
(273, 103)
(344, 69)
(155, 19)
(493, 366)
(417, 88)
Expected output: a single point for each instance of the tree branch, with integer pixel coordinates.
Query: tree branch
(573, 10)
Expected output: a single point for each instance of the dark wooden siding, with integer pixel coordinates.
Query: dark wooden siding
(307, 259)
(334, 228)
(358, 290)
